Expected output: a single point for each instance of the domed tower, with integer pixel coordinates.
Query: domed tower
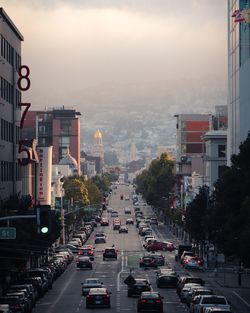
(69, 160)
(98, 146)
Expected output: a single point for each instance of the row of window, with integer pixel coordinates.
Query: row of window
(6, 91)
(9, 54)
(7, 131)
(7, 171)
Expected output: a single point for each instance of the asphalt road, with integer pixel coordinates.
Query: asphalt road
(66, 295)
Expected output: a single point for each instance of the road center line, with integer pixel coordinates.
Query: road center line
(119, 274)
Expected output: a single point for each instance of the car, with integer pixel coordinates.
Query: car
(87, 251)
(123, 229)
(160, 246)
(167, 280)
(5, 308)
(21, 295)
(186, 290)
(98, 297)
(150, 301)
(216, 310)
(114, 214)
(199, 303)
(191, 262)
(188, 279)
(109, 253)
(138, 287)
(127, 211)
(196, 291)
(146, 231)
(147, 261)
(84, 262)
(127, 198)
(109, 210)
(100, 238)
(15, 303)
(129, 221)
(186, 253)
(89, 283)
(116, 225)
(159, 258)
(153, 221)
(104, 221)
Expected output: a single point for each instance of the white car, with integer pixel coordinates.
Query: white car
(127, 211)
(114, 214)
(199, 303)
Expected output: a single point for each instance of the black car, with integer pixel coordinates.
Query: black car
(150, 302)
(166, 281)
(89, 283)
(129, 221)
(16, 304)
(138, 287)
(110, 253)
(84, 262)
(98, 297)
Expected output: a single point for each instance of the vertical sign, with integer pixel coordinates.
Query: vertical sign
(44, 175)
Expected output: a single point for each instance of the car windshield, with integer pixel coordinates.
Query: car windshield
(92, 281)
(213, 300)
(150, 296)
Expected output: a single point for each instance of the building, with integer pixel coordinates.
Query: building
(215, 159)
(190, 146)
(10, 97)
(57, 127)
(98, 150)
(238, 75)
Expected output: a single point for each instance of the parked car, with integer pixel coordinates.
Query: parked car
(84, 262)
(23, 296)
(16, 304)
(109, 253)
(198, 291)
(89, 283)
(153, 221)
(72, 248)
(98, 297)
(123, 229)
(184, 292)
(38, 272)
(150, 301)
(138, 287)
(188, 279)
(199, 303)
(5, 308)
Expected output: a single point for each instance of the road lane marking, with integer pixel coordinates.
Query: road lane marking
(119, 274)
(244, 301)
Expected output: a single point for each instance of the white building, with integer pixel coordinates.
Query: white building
(238, 78)
(215, 158)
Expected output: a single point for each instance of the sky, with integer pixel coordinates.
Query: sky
(127, 53)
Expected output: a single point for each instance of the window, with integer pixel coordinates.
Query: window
(64, 141)
(221, 151)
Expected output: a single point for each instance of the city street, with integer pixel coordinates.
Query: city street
(66, 293)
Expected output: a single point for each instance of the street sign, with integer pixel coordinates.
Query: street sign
(7, 233)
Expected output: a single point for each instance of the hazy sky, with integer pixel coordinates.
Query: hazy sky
(98, 52)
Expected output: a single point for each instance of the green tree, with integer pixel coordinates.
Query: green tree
(75, 189)
(230, 212)
(95, 195)
(157, 181)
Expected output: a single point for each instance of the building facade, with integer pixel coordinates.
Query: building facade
(238, 77)
(57, 127)
(10, 97)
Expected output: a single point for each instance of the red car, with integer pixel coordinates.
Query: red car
(161, 246)
(104, 221)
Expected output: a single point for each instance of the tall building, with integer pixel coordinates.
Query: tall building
(10, 97)
(57, 127)
(98, 150)
(238, 75)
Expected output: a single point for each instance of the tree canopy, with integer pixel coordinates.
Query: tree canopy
(157, 181)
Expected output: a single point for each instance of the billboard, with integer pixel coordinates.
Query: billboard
(44, 174)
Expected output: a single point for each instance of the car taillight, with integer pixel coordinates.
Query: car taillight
(158, 301)
(106, 296)
(89, 296)
(143, 301)
(16, 306)
(90, 253)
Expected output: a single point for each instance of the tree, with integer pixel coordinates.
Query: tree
(75, 189)
(157, 182)
(95, 196)
(230, 212)
(196, 214)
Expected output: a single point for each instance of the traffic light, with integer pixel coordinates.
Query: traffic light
(44, 219)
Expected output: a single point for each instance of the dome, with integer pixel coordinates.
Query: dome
(98, 134)
(68, 160)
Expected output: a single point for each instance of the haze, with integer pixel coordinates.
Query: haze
(108, 54)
